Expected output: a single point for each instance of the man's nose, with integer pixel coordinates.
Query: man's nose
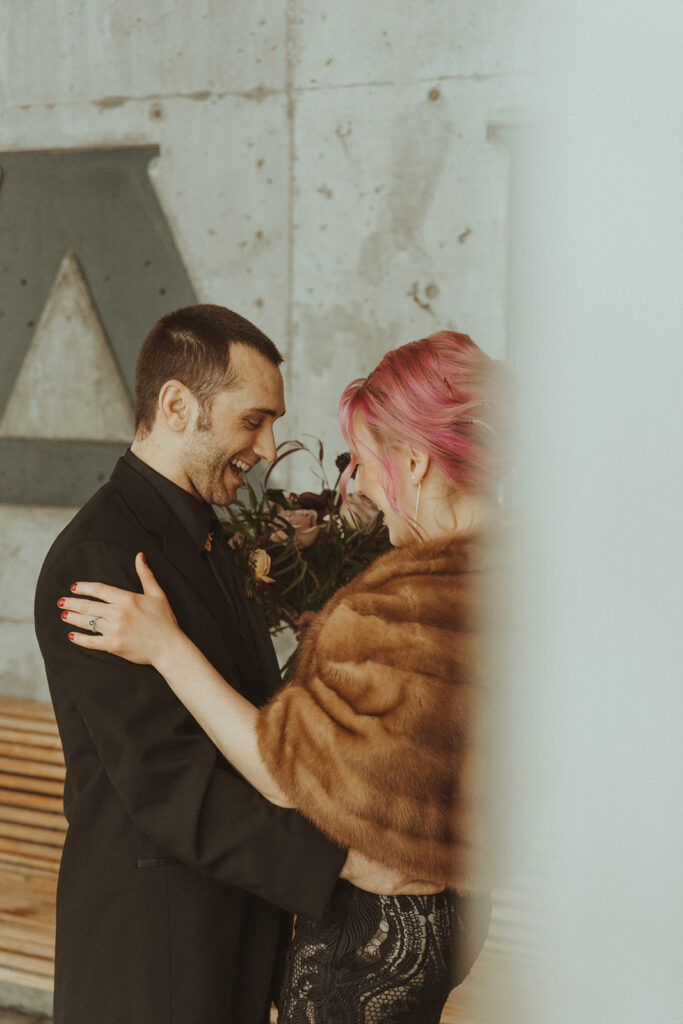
(265, 445)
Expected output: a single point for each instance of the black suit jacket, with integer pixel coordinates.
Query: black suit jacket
(174, 868)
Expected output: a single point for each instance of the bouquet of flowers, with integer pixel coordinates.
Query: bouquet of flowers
(296, 550)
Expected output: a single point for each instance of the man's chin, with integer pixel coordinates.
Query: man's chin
(225, 492)
(222, 496)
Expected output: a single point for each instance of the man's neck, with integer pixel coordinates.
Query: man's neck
(157, 456)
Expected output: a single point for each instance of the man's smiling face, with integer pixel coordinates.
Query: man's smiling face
(240, 430)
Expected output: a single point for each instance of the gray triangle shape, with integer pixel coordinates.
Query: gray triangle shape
(69, 387)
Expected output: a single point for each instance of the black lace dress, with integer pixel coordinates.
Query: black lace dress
(389, 959)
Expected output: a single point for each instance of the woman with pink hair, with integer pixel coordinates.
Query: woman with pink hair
(379, 738)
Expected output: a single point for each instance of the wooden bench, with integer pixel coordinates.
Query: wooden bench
(32, 830)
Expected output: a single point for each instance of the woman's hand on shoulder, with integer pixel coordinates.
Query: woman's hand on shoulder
(137, 627)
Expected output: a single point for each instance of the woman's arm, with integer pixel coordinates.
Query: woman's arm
(227, 717)
(143, 629)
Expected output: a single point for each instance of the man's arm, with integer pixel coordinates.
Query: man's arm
(165, 769)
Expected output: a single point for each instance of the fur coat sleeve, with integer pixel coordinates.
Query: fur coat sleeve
(377, 739)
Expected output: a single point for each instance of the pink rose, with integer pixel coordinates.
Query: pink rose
(305, 523)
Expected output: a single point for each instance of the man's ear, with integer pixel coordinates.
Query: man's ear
(176, 406)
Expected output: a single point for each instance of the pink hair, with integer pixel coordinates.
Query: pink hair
(441, 395)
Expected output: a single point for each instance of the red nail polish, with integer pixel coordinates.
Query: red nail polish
(73, 586)
(65, 615)
(61, 602)
(142, 556)
(71, 636)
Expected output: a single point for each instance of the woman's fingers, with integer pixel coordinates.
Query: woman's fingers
(83, 606)
(84, 620)
(147, 577)
(121, 622)
(114, 595)
(89, 640)
(102, 591)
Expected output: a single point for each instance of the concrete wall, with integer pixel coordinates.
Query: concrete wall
(325, 168)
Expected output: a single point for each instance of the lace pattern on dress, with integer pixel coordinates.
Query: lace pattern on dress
(372, 959)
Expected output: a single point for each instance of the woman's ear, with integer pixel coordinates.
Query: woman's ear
(176, 405)
(419, 464)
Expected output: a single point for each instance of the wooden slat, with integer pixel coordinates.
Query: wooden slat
(31, 785)
(30, 851)
(32, 801)
(33, 919)
(28, 979)
(32, 828)
(40, 837)
(26, 816)
(34, 865)
(35, 938)
(41, 726)
(16, 707)
(27, 752)
(38, 941)
(28, 727)
(31, 923)
(18, 884)
(30, 737)
(34, 769)
(35, 896)
(22, 961)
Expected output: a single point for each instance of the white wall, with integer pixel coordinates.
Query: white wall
(596, 326)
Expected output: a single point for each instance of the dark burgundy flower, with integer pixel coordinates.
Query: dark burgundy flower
(320, 503)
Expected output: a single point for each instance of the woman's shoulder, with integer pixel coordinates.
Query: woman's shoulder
(423, 585)
(424, 564)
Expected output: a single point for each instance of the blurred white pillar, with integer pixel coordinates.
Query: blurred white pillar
(596, 336)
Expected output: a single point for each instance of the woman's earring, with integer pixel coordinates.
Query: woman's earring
(417, 503)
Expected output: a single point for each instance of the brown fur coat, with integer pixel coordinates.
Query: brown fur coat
(377, 739)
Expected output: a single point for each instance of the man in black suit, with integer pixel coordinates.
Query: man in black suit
(178, 879)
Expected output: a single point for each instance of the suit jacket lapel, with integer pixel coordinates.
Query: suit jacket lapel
(253, 668)
(214, 631)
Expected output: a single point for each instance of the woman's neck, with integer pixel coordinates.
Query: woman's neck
(454, 513)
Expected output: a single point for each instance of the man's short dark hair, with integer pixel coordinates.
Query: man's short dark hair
(192, 345)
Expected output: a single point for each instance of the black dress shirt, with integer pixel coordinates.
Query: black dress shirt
(195, 515)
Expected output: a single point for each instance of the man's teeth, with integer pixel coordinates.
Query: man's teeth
(243, 467)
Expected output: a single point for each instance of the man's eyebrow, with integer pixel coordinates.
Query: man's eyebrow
(266, 412)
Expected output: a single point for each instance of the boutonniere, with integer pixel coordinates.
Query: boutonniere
(259, 566)
(253, 563)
